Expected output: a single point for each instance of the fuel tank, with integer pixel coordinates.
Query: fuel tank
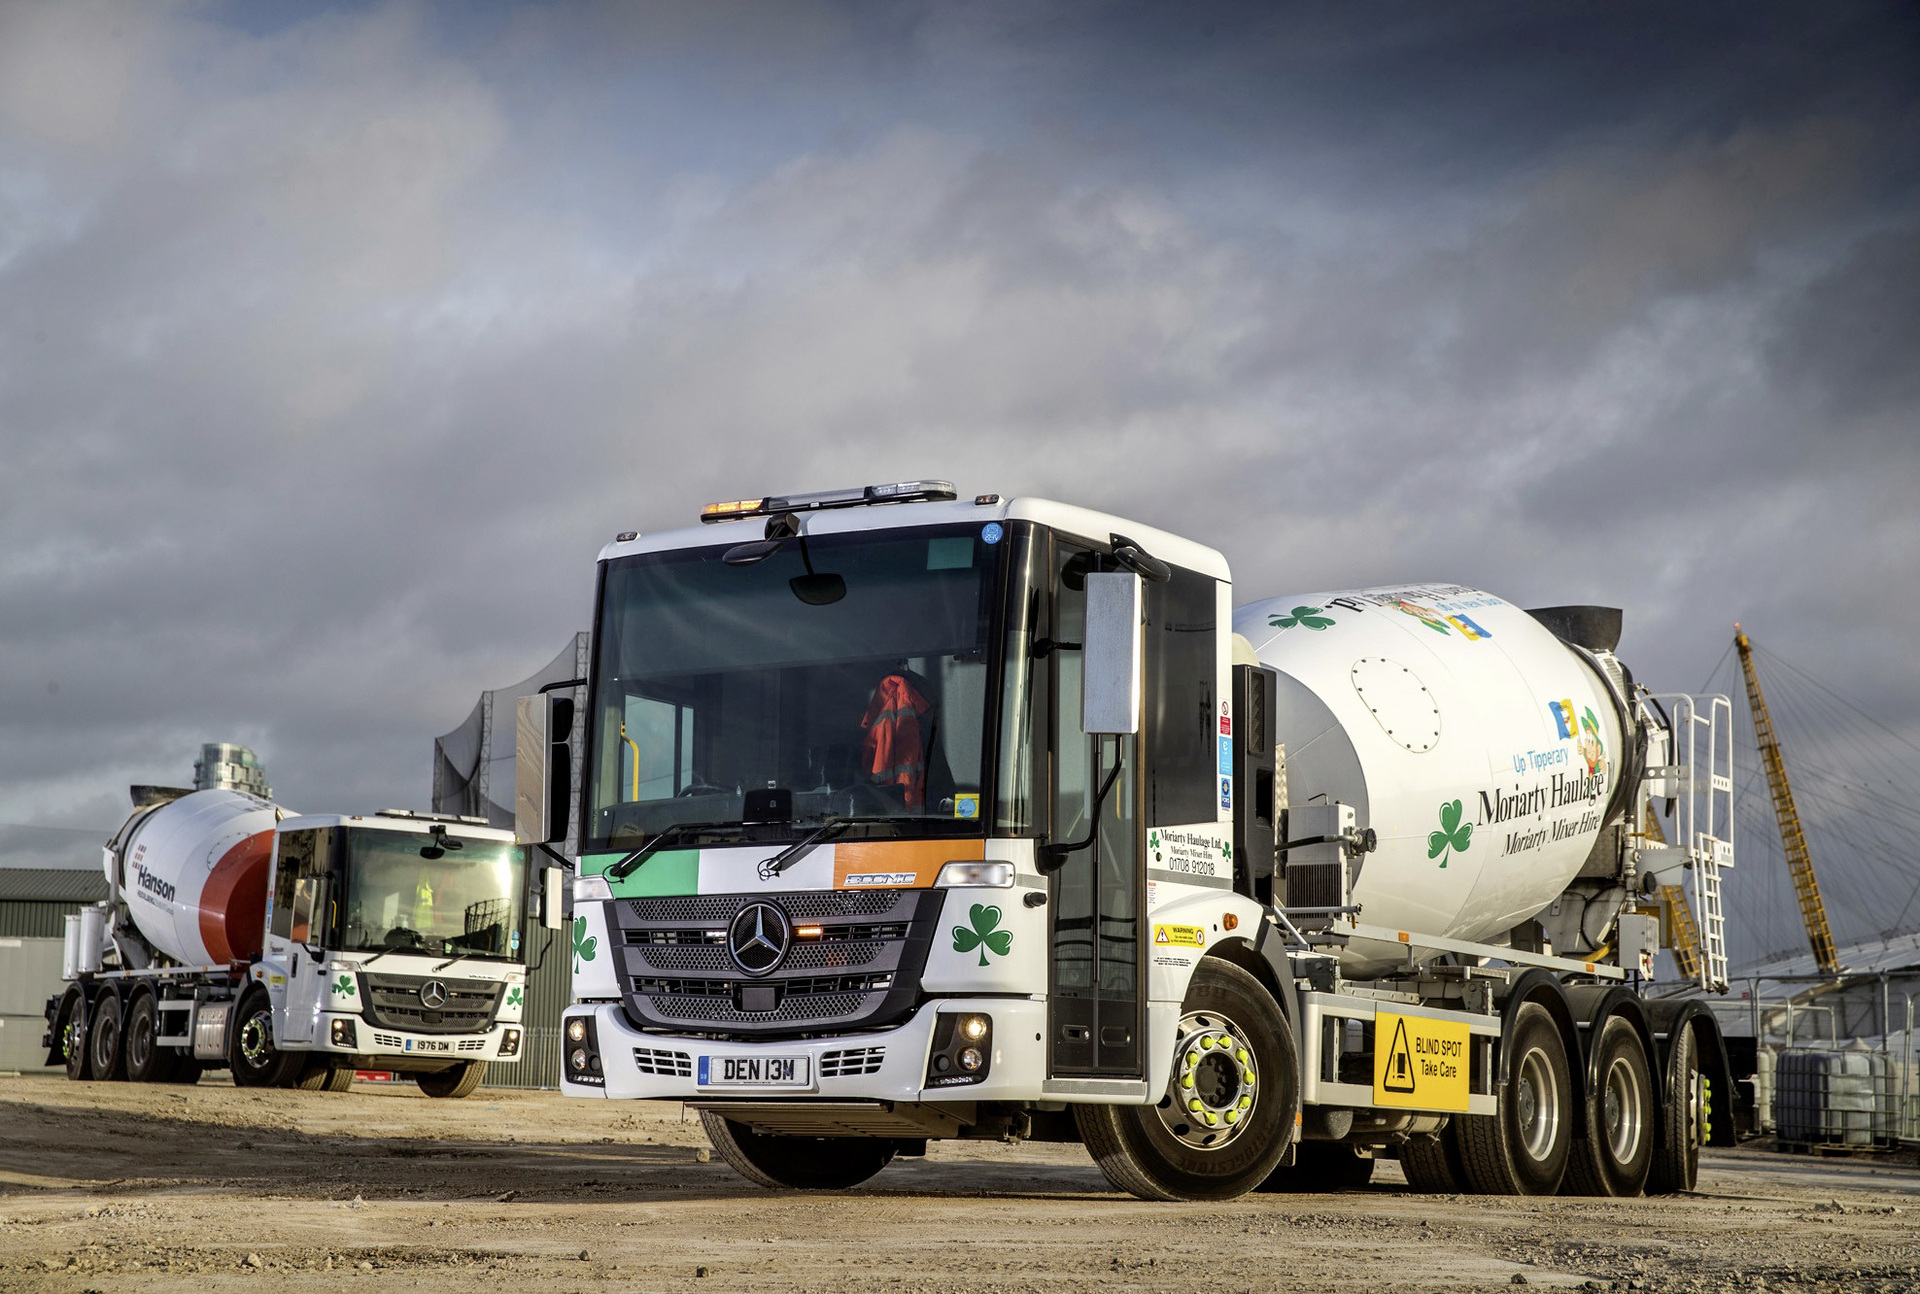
(193, 874)
(1482, 751)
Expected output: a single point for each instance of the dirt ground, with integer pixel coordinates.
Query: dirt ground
(117, 1187)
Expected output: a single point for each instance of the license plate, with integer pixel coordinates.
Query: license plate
(756, 1071)
(426, 1044)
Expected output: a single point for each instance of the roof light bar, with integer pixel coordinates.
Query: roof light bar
(859, 496)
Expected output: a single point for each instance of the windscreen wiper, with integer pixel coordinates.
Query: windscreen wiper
(671, 835)
(833, 825)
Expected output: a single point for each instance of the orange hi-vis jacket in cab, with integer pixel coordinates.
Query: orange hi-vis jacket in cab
(895, 754)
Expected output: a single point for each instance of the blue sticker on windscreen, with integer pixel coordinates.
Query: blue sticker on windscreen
(991, 532)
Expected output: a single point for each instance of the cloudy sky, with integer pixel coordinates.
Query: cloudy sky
(334, 342)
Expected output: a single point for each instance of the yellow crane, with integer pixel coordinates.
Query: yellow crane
(1806, 886)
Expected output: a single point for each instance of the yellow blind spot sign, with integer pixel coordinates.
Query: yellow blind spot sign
(1420, 1064)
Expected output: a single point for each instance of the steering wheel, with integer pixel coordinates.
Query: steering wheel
(700, 786)
(404, 937)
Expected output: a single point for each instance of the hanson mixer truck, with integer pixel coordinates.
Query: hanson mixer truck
(904, 817)
(295, 949)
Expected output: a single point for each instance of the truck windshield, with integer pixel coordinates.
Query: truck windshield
(847, 672)
(466, 902)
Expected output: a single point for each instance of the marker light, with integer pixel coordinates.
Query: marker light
(731, 510)
(807, 932)
(591, 889)
(975, 875)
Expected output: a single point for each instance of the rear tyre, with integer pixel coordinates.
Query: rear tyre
(459, 1081)
(1322, 1166)
(1613, 1156)
(72, 1037)
(1683, 1120)
(1432, 1163)
(106, 1057)
(1231, 1105)
(796, 1163)
(1523, 1149)
(251, 1053)
(147, 1060)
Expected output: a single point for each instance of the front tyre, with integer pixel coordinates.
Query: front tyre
(796, 1163)
(450, 1084)
(251, 1053)
(1523, 1149)
(1231, 1105)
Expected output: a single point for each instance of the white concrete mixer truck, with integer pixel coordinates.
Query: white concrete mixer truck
(908, 817)
(295, 949)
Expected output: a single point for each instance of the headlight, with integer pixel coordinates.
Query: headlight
(576, 1030)
(973, 1027)
(997, 876)
(579, 1058)
(971, 1059)
(591, 889)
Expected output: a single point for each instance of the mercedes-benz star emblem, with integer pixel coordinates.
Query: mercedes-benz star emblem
(433, 995)
(758, 938)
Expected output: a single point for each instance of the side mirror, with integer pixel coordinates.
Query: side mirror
(1112, 657)
(553, 882)
(542, 768)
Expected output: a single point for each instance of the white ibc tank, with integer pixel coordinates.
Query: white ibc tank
(1481, 750)
(193, 873)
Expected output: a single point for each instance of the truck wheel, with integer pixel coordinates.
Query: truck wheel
(105, 1056)
(796, 1163)
(1523, 1149)
(73, 1036)
(341, 1079)
(461, 1080)
(1676, 1160)
(186, 1071)
(1614, 1155)
(1432, 1163)
(147, 1060)
(315, 1076)
(1231, 1104)
(251, 1055)
(1322, 1166)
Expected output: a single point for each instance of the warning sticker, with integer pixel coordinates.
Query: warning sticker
(1419, 1064)
(1181, 936)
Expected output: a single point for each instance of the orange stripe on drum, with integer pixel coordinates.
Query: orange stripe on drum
(899, 864)
(234, 900)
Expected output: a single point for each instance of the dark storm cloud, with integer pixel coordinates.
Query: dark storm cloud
(333, 345)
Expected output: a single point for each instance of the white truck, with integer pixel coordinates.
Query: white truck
(295, 949)
(908, 817)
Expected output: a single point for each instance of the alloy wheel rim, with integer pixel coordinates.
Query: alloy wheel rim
(1215, 1085)
(1539, 1105)
(1622, 1112)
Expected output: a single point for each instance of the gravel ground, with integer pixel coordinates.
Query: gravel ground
(115, 1187)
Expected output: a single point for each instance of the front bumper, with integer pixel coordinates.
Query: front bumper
(885, 1065)
(494, 1045)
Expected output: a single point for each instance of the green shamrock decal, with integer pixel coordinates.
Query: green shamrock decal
(984, 935)
(1453, 834)
(583, 943)
(1153, 843)
(344, 986)
(514, 996)
(1305, 617)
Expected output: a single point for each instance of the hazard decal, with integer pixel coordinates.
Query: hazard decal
(1420, 1064)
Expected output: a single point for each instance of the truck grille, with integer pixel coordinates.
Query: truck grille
(860, 969)
(393, 1002)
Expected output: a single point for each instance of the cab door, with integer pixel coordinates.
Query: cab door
(1095, 1003)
